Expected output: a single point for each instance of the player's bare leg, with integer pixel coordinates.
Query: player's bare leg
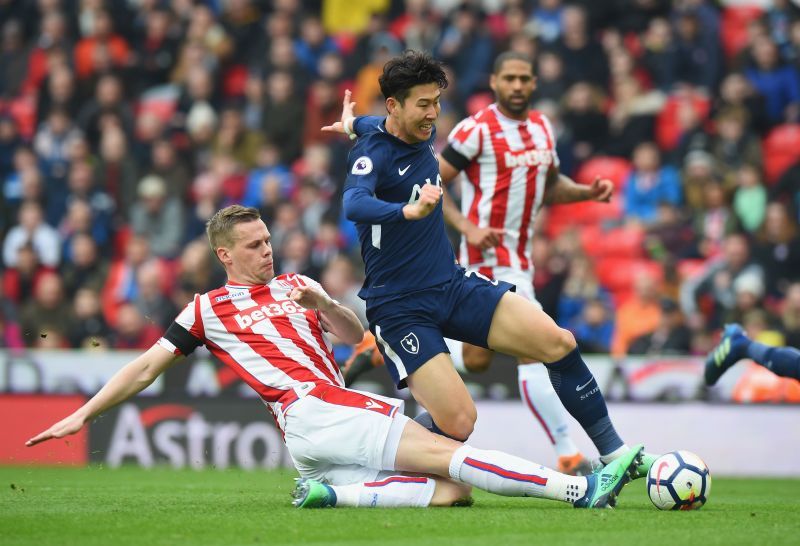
(438, 387)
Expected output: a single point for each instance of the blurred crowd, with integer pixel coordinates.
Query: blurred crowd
(125, 124)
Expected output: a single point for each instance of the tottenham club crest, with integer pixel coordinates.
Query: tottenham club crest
(410, 343)
(363, 165)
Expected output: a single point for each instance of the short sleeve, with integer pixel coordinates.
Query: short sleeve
(466, 139)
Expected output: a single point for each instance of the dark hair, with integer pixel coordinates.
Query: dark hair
(510, 56)
(405, 71)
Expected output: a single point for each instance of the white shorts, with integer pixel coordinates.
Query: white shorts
(342, 436)
(523, 280)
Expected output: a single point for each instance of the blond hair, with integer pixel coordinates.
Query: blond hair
(219, 228)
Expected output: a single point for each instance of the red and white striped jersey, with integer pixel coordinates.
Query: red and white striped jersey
(271, 342)
(504, 182)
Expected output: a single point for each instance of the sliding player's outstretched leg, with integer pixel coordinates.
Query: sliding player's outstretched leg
(450, 468)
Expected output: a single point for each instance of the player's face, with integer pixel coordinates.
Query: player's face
(416, 116)
(513, 86)
(249, 260)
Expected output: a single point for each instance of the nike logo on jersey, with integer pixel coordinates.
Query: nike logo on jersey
(371, 404)
(581, 387)
(403, 171)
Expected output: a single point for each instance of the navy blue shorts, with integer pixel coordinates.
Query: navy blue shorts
(410, 329)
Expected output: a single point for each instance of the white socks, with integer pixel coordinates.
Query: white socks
(392, 491)
(504, 474)
(456, 354)
(542, 401)
(608, 457)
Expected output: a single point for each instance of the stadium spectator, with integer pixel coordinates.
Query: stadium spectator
(283, 115)
(100, 47)
(717, 281)
(235, 139)
(734, 145)
(83, 266)
(32, 229)
(584, 116)
(151, 300)
(660, 57)
(158, 217)
(777, 82)
(715, 221)
(671, 336)
(132, 330)
(89, 329)
(777, 250)
(21, 280)
(583, 56)
(749, 198)
(649, 184)
(47, 314)
(116, 171)
(638, 315)
(593, 328)
(82, 187)
(790, 315)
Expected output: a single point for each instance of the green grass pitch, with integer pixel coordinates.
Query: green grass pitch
(43, 506)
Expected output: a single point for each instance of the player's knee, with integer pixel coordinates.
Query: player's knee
(449, 493)
(459, 426)
(561, 344)
(477, 362)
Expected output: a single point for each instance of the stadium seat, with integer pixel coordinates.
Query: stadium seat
(586, 213)
(668, 129)
(622, 242)
(615, 169)
(618, 274)
(733, 27)
(781, 150)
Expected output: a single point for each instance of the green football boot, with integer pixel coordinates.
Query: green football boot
(606, 483)
(312, 494)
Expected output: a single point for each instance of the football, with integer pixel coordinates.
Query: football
(679, 480)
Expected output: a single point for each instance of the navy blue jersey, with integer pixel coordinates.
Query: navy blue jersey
(384, 175)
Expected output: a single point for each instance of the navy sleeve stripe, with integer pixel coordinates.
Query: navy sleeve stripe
(182, 339)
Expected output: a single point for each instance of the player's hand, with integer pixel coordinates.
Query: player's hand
(347, 116)
(311, 298)
(429, 197)
(483, 237)
(601, 190)
(65, 427)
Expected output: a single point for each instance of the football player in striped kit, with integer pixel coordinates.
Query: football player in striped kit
(350, 448)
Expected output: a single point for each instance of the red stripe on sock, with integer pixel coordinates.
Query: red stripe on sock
(536, 413)
(502, 472)
(396, 479)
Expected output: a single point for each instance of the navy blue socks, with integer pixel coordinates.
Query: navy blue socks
(581, 396)
(783, 361)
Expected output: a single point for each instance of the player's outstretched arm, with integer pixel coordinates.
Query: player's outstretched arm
(134, 377)
(345, 124)
(563, 189)
(336, 318)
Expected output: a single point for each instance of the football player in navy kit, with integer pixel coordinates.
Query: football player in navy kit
(416, 293)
